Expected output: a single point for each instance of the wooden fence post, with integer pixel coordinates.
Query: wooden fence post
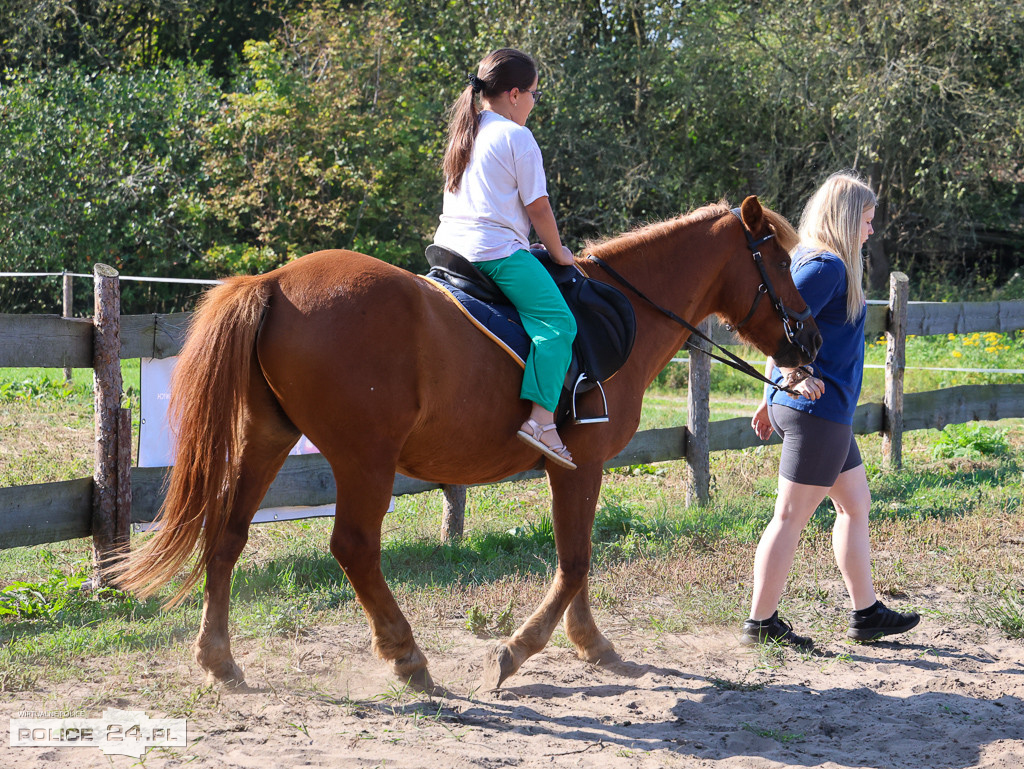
(67, 313)
(453, 519)
(109, 534)
(122, 523)
(698, 421)
(895, 363)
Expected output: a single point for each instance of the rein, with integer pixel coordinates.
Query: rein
(730, 358)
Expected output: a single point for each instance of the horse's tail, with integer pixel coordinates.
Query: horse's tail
(207, 409)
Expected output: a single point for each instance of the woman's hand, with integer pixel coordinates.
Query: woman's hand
(761, 424)
(566, 259)
(802, 381)
(811, 388)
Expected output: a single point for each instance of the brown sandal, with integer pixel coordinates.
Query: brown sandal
(558, 454)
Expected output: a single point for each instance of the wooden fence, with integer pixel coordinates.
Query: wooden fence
(100, 506)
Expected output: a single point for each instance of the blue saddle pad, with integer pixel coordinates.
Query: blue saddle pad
(502, 320)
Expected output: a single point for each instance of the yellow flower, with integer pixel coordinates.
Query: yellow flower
(957, 354)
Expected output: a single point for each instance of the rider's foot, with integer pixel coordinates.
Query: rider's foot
(545, 439)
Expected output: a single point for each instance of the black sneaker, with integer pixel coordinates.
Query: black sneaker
(876, 621)
(772, 629)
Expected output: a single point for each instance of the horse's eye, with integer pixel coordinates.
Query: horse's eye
(784, 265)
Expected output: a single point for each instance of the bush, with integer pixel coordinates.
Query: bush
(333, 155)
(970, 441)
(102, 168)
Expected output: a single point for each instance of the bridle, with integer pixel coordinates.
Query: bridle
(784, 313)
(766, 287)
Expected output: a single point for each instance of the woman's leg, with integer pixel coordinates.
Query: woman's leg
(850, 540)
(794, 506)
(546, 318)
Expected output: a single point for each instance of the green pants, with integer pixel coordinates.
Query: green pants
(546, 318)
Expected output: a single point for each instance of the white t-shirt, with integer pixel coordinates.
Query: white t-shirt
(486, 219)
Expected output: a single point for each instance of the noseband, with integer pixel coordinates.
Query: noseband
(766, 287)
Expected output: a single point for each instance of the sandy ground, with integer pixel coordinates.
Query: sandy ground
(950, 697)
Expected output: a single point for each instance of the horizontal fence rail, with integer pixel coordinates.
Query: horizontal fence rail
(50, 341)
(54, 512)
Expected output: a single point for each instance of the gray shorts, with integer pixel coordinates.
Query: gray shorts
(814, 450)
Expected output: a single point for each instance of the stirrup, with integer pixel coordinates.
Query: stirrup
(588, 420)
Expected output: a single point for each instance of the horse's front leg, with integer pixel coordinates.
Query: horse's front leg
(574, 500)
(591, 644)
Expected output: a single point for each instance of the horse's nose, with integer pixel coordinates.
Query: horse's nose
(815, 343)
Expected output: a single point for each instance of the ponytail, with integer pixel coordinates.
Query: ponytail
(463, 122)
(500, 71)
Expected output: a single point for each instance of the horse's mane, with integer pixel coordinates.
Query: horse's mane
(784, 232)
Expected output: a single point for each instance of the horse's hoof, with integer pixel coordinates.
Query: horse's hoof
(412, 668)
(600, 654)
(498, 666)
(421, 681)
(227, 674)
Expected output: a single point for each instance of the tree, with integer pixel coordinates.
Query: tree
(126, 34)
(916, 94)
(320, 147)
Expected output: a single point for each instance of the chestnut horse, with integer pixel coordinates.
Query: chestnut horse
(383, 373)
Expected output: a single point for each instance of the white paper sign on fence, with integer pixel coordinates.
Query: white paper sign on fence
(156, 439)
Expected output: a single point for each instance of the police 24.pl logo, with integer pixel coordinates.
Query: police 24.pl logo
(118, 732)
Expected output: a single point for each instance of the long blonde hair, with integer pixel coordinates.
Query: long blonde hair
(500, 71)
(831, 222)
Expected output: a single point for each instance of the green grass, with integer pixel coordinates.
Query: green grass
(665, 566)
(1004, 611)
(47, 427)
(48, 384)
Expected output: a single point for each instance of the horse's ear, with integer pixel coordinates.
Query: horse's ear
(753, 215)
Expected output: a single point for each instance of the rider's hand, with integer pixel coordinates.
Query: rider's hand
(566, 259)
(761, 424)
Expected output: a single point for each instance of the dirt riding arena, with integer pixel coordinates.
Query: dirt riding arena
(949, 697)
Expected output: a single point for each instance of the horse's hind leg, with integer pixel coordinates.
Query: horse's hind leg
(356, 544)
(268, 438)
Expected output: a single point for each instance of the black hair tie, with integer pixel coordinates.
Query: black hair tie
(476, 84)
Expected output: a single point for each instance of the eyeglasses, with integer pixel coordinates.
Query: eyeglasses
(536, 95)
